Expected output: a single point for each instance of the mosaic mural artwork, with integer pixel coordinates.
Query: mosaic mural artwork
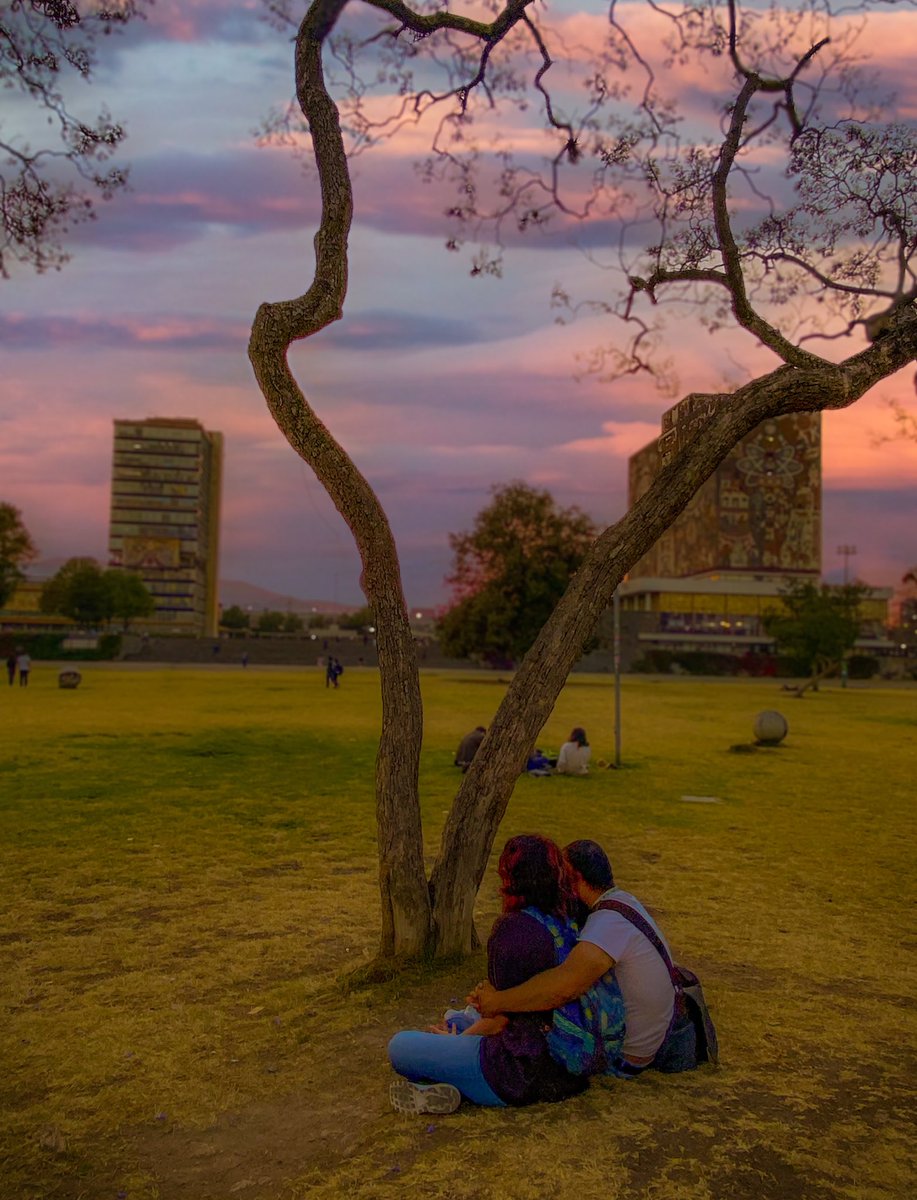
(760, 511)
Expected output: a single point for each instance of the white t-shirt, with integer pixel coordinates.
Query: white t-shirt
(641, 973)
(573, 759)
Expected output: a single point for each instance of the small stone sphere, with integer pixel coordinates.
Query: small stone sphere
(69, 679)
(770, 727)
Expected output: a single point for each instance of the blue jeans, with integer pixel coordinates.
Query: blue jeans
(443, 1058)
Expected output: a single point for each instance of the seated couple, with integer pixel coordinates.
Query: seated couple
(573, 758)
(497, 1052)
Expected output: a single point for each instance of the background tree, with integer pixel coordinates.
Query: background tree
(270, 622)
(510, 570)
(46, 46)
(818, 624)
(129, 597)
(696, 231)
(235, 618)
(361, 620)
(79, 590)
(292, 623)
(16, 550)
(906, 632)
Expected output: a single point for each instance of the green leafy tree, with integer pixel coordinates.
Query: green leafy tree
(818, 623)
(235, 617)
(79, 591)
(319, 621)
(292, 623)
(16, 550)
(129, 597)
(362, 620)
(270, 622)
(510, 570)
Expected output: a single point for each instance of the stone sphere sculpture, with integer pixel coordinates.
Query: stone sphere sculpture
(69, 679)
(770, 727)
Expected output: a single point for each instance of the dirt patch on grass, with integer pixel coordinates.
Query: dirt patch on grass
(257, 1151)
(798, 1131)
(338, 1109)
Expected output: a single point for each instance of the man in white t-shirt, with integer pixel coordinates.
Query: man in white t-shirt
(608, 940)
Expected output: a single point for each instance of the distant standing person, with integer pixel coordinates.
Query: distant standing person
(24, 663)
(574, 754)
(332, 671)
(11, 668)
(468, 747)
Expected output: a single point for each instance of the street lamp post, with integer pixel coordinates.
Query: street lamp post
(847, 552)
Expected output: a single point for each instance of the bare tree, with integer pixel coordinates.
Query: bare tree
(46, 189)
(835, 226)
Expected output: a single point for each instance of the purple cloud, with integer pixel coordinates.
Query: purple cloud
(361, 331)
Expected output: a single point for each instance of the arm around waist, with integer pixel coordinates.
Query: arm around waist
(585, 965)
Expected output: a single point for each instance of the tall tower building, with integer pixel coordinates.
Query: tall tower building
(165, 518)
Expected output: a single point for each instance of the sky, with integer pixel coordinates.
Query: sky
(439, 384)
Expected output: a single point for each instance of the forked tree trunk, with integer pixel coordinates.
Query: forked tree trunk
(705, 430)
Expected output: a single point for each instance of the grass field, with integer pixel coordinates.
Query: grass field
(188, 874)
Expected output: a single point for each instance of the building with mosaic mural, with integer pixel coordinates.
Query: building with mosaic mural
(759, 512)
(710, 579)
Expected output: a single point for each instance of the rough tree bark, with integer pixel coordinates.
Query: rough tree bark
(418, 917)
(405, 897)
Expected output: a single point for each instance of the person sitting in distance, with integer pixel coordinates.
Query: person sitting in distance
(468, 747)
(607, 941)
(574, 754)
(539, 763)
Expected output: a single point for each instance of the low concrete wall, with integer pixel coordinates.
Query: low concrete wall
(297, 651)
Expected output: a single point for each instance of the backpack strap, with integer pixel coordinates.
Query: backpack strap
(563, 936)
(640, 922)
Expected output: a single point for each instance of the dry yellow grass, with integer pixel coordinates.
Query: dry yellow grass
(188, 871)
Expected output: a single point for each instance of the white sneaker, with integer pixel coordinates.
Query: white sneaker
(414, 1098)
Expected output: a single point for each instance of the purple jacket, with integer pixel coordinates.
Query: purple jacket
(516, 1062)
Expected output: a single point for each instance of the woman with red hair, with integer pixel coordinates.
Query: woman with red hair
(503, 1060)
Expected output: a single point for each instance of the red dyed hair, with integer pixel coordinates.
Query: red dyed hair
(533, 873)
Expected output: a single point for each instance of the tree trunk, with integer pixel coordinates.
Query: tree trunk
(406, 915)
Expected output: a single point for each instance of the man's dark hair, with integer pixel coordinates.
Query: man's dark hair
(590, 860)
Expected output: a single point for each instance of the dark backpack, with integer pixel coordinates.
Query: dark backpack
(586, 1034)
(691, 1037)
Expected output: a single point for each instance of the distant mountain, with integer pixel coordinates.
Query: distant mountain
(232, 591)
(259, 599)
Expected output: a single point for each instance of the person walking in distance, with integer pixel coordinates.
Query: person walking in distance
(24, 663)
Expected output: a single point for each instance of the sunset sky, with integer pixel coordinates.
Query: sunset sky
(438, 384)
